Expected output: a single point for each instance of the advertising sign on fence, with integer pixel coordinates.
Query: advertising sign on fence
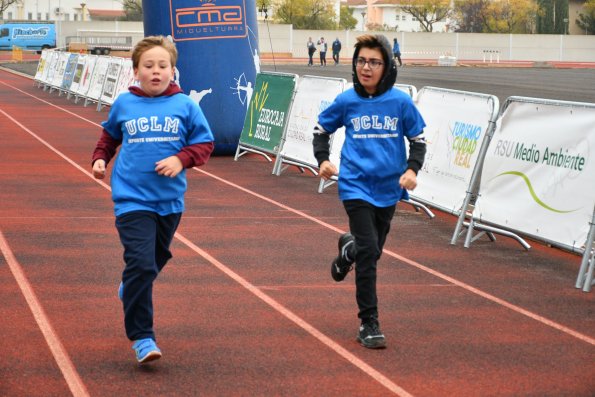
(87, 71)
(456, 124)
(126, 78)
(538, 172)
(108, 94)
(268, 112)
(97, 78)
(60, 69)
(314, 94)
(69, 71)
(41, 66)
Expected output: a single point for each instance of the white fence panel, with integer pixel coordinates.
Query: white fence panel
(86, 75)
(42, 65)
(314, 94)
(539, 171)
(98, 78)
(456, 124)
(60, 69)
(108, 92)
(126, 78)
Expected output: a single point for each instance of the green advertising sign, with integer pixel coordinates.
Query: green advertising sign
(268, 111)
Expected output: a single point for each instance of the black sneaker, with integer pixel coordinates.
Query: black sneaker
(341, 265)
(370, 336)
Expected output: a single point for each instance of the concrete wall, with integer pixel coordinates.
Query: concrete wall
(420, 45)
(283, 40)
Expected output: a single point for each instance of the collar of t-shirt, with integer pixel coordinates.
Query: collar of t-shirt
(172, 89)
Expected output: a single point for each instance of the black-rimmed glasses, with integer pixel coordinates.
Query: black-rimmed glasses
(372, 63)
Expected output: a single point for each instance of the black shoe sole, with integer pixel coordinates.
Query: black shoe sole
(377, 345)
(335, 274)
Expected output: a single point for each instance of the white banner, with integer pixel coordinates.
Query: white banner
(60, 68)
(78, 73)
(539, 172)
(86, 75)
(50, 67)
(98, 77)
(42, 65)
(108, 94)
(126, 78)
(69, 71)
(314, 94)
(457, 122)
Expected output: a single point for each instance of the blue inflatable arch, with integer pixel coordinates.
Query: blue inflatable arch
(217, 42)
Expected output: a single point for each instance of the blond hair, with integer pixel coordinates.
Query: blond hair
(150, 42)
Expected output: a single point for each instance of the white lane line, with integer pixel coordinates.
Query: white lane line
(75, 384)
(380, 378)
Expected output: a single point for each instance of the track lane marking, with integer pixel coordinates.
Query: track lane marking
(71, 375)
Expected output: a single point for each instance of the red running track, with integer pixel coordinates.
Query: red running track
(247, 306)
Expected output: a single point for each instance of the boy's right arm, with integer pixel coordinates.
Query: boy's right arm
(322, 153)
(103, 153)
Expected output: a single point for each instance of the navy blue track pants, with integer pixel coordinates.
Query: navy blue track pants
(146, 237)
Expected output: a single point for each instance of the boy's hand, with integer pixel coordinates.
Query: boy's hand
(170, 166)
(327, 169)
(99, 169)
(408, 180)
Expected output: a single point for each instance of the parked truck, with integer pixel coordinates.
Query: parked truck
(27, 35)
(100, 45)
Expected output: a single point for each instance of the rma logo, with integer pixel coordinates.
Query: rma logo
(211, 19)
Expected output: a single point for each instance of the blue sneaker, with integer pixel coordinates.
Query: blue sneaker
(146, 350)
(121, 291)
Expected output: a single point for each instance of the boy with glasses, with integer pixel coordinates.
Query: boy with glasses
(375, 170)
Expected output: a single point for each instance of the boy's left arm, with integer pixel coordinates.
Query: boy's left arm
(196, 155)
(417, 153)
(188, 157)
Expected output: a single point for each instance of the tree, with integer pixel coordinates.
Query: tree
(586, 18)
(427, 12)
(4, 4)
(264, 6)
(346, 19)
(469, 15)
(545, 16)
(552, 16)
(306, 14)
(510, 16)
(133, 10)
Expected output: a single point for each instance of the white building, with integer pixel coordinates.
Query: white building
(64, 10)
(388, 15)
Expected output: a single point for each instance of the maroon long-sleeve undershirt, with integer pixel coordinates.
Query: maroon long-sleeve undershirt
(190, 156)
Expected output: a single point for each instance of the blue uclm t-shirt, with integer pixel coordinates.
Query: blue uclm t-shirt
(152, 129)
(373, 156)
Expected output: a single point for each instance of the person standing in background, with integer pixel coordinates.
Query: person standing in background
(322, 47)
(311, 50)
(397, 51)
(336, 50)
